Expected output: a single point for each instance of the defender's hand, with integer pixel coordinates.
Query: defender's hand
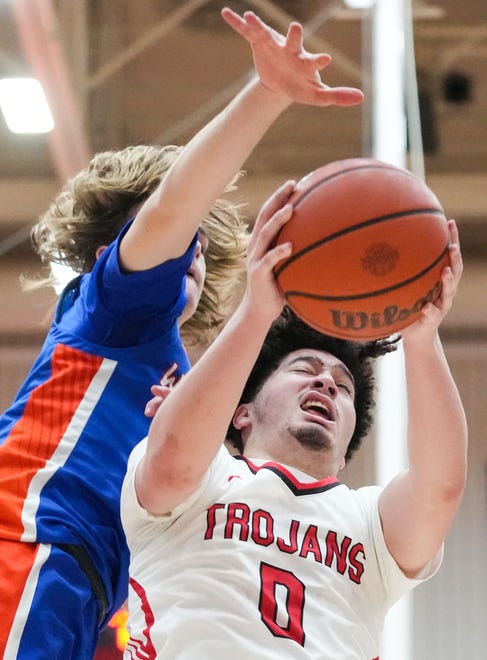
(285, 67)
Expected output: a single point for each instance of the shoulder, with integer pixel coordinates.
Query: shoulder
(366, 496)
(135, 517)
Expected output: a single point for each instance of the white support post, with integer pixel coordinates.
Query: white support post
(389, 140)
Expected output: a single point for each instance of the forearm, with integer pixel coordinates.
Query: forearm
(207, 164)
(437, 429)
(418, 505)
(212, 158)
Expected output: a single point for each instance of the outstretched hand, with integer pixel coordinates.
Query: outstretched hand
(433, 313)
(285, 67)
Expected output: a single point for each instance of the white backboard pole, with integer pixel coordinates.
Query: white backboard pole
(389, 143)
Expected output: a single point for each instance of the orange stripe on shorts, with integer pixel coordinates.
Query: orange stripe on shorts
(16, 561)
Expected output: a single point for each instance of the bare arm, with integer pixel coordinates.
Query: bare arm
(417, 507)
(287, 73)
(202, 404)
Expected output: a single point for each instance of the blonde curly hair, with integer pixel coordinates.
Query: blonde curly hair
(95, 204)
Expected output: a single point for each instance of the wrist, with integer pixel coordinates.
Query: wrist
(421, 344)
(257, 315)
(274, 98)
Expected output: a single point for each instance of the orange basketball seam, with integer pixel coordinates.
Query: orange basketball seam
(348, 230)
(370, 294)
(367, 166)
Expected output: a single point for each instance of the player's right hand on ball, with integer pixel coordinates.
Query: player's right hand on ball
(433, 313)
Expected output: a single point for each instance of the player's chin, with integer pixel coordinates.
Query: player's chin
(311, 436)
(193, 296)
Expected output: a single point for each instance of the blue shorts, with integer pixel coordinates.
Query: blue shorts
(48, 608)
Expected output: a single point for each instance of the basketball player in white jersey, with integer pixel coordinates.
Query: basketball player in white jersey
(267, 554)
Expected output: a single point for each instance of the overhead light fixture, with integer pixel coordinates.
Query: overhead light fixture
(24, 106)
(421, 9)
(359, 4)
(425, 10)
(62, 276)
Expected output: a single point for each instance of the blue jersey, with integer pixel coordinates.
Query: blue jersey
(65, 441)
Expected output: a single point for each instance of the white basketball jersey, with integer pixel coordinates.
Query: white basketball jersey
(261, 562)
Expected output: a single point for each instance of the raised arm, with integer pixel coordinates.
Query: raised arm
(417, 507)
(202, 404)
(286, 73)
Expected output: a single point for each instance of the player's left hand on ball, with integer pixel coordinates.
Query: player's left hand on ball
(433, 313)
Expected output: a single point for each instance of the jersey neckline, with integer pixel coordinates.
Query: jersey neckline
(286, 474)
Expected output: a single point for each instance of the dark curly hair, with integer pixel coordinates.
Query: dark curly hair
(287, 334)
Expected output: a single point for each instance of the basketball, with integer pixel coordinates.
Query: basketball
(370, 241)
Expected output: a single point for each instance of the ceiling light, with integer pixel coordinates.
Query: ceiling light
(421, 9)
(359, 4)
(62, 276)
(24, 106)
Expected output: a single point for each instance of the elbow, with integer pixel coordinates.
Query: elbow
(454, 492)
(450, 490)
(172, 464)
(441, 488)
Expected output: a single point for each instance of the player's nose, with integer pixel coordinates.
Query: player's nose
(325, 382)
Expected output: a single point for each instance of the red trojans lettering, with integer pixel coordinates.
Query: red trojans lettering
(239, 522)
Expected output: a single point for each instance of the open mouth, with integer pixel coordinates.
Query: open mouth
(318, 407)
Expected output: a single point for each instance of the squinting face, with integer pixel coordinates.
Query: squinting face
(195, 279)
(309, 399)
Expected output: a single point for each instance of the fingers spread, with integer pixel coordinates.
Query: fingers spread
(294, 38)
(320, 61)
(234, 21)
(256, 27)
(343, 96)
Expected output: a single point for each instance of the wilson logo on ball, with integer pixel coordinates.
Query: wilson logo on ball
(385, 320)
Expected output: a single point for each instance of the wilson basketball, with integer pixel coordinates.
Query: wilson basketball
(370, 241)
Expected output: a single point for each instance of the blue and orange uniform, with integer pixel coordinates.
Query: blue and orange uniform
(64, 446)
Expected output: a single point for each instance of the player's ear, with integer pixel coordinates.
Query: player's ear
(241, 418)
(99, 250)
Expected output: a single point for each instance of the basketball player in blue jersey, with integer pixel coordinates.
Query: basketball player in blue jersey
(128, 224)
(266, 554)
